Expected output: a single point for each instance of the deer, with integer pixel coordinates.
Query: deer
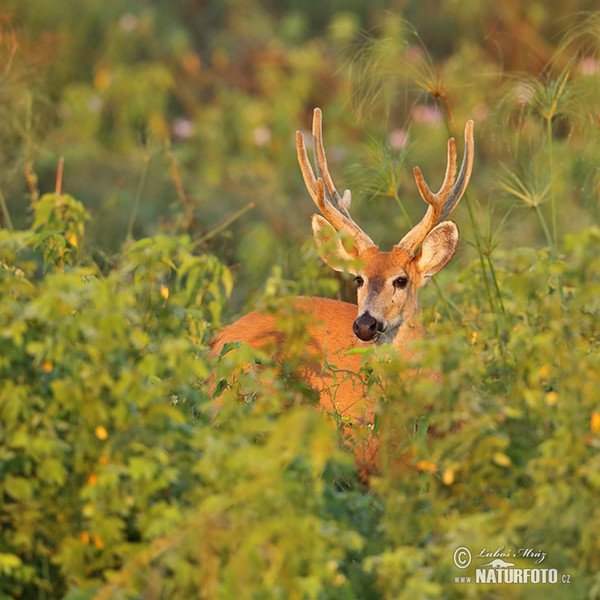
(387, 283)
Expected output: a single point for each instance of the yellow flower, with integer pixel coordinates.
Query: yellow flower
(71, 238)
(595, 422)
(47, 366)
(501, 459)
(543, 372)
(448, 476)
(164, 291)
(101, 433)
(102, 79)
(97, 542)
(551, 398)
(426, 465)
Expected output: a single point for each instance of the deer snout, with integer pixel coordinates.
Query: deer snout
(367, 327)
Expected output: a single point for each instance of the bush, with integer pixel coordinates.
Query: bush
(176, 124)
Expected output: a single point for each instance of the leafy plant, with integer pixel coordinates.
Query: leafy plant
(133, 464)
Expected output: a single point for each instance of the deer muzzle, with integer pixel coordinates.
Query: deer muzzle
(367, 327)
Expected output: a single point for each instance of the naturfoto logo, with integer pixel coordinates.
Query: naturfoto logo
(505, 565)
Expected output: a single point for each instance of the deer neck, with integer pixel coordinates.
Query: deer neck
(401, 335)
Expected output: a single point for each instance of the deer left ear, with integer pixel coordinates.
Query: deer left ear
(331, 247)
(437, 248)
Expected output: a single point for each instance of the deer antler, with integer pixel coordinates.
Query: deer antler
(442, 203)
(333, 207)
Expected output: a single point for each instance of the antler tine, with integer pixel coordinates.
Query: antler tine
(464, 174)
(442, 203)
(307, 172)
(449, 179)
(323, 169)
(322, 189)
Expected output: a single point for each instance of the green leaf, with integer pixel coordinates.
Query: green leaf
(18, 488)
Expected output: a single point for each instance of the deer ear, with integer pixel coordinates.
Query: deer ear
(332, 248)
(437, 248)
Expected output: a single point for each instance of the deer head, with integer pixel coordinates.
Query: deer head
(387, 282)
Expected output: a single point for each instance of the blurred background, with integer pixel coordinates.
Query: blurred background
(176, 120)
(179, 114)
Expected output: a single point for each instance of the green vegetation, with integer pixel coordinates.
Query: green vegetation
(180, 205)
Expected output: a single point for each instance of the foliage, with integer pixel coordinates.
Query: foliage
(175, 121)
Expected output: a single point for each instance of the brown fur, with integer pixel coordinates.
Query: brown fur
(331, 336)
(388, 282)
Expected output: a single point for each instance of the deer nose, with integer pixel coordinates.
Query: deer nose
(366, 327)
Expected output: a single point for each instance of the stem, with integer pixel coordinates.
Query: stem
(138, 196)
(480, 252)
(463, 314)
(540, 215)
(178, 182)
(446, 114)
(397, 198)
(554, 242)
(4, 212)
(482, 262)
(224, 225)
(29, 174)
(444, 302)
(478, 243)
(495, 281)
(59, 177)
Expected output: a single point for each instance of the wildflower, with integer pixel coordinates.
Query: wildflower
(543, 372)
(398, 139)
(426, 113)
(101, 433)
(71, 238)
(448, 477)
(426, 465)
(102, 79)
(588, 66)
(128, 22)
(182, 128)
(97, 542)
(262, 136)
(501, 459)
(595, 422)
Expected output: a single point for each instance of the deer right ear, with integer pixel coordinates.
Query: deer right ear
(331, 247)
(438, 248)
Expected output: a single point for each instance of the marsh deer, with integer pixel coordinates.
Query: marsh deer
(387, 285)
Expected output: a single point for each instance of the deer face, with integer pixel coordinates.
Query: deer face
(387, 282)
(386, 293)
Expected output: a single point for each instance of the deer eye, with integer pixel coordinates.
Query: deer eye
(400, 282)
(359, 281)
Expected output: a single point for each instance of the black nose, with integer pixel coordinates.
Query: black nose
(366, 327)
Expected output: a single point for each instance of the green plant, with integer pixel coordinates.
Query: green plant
(116, 480)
